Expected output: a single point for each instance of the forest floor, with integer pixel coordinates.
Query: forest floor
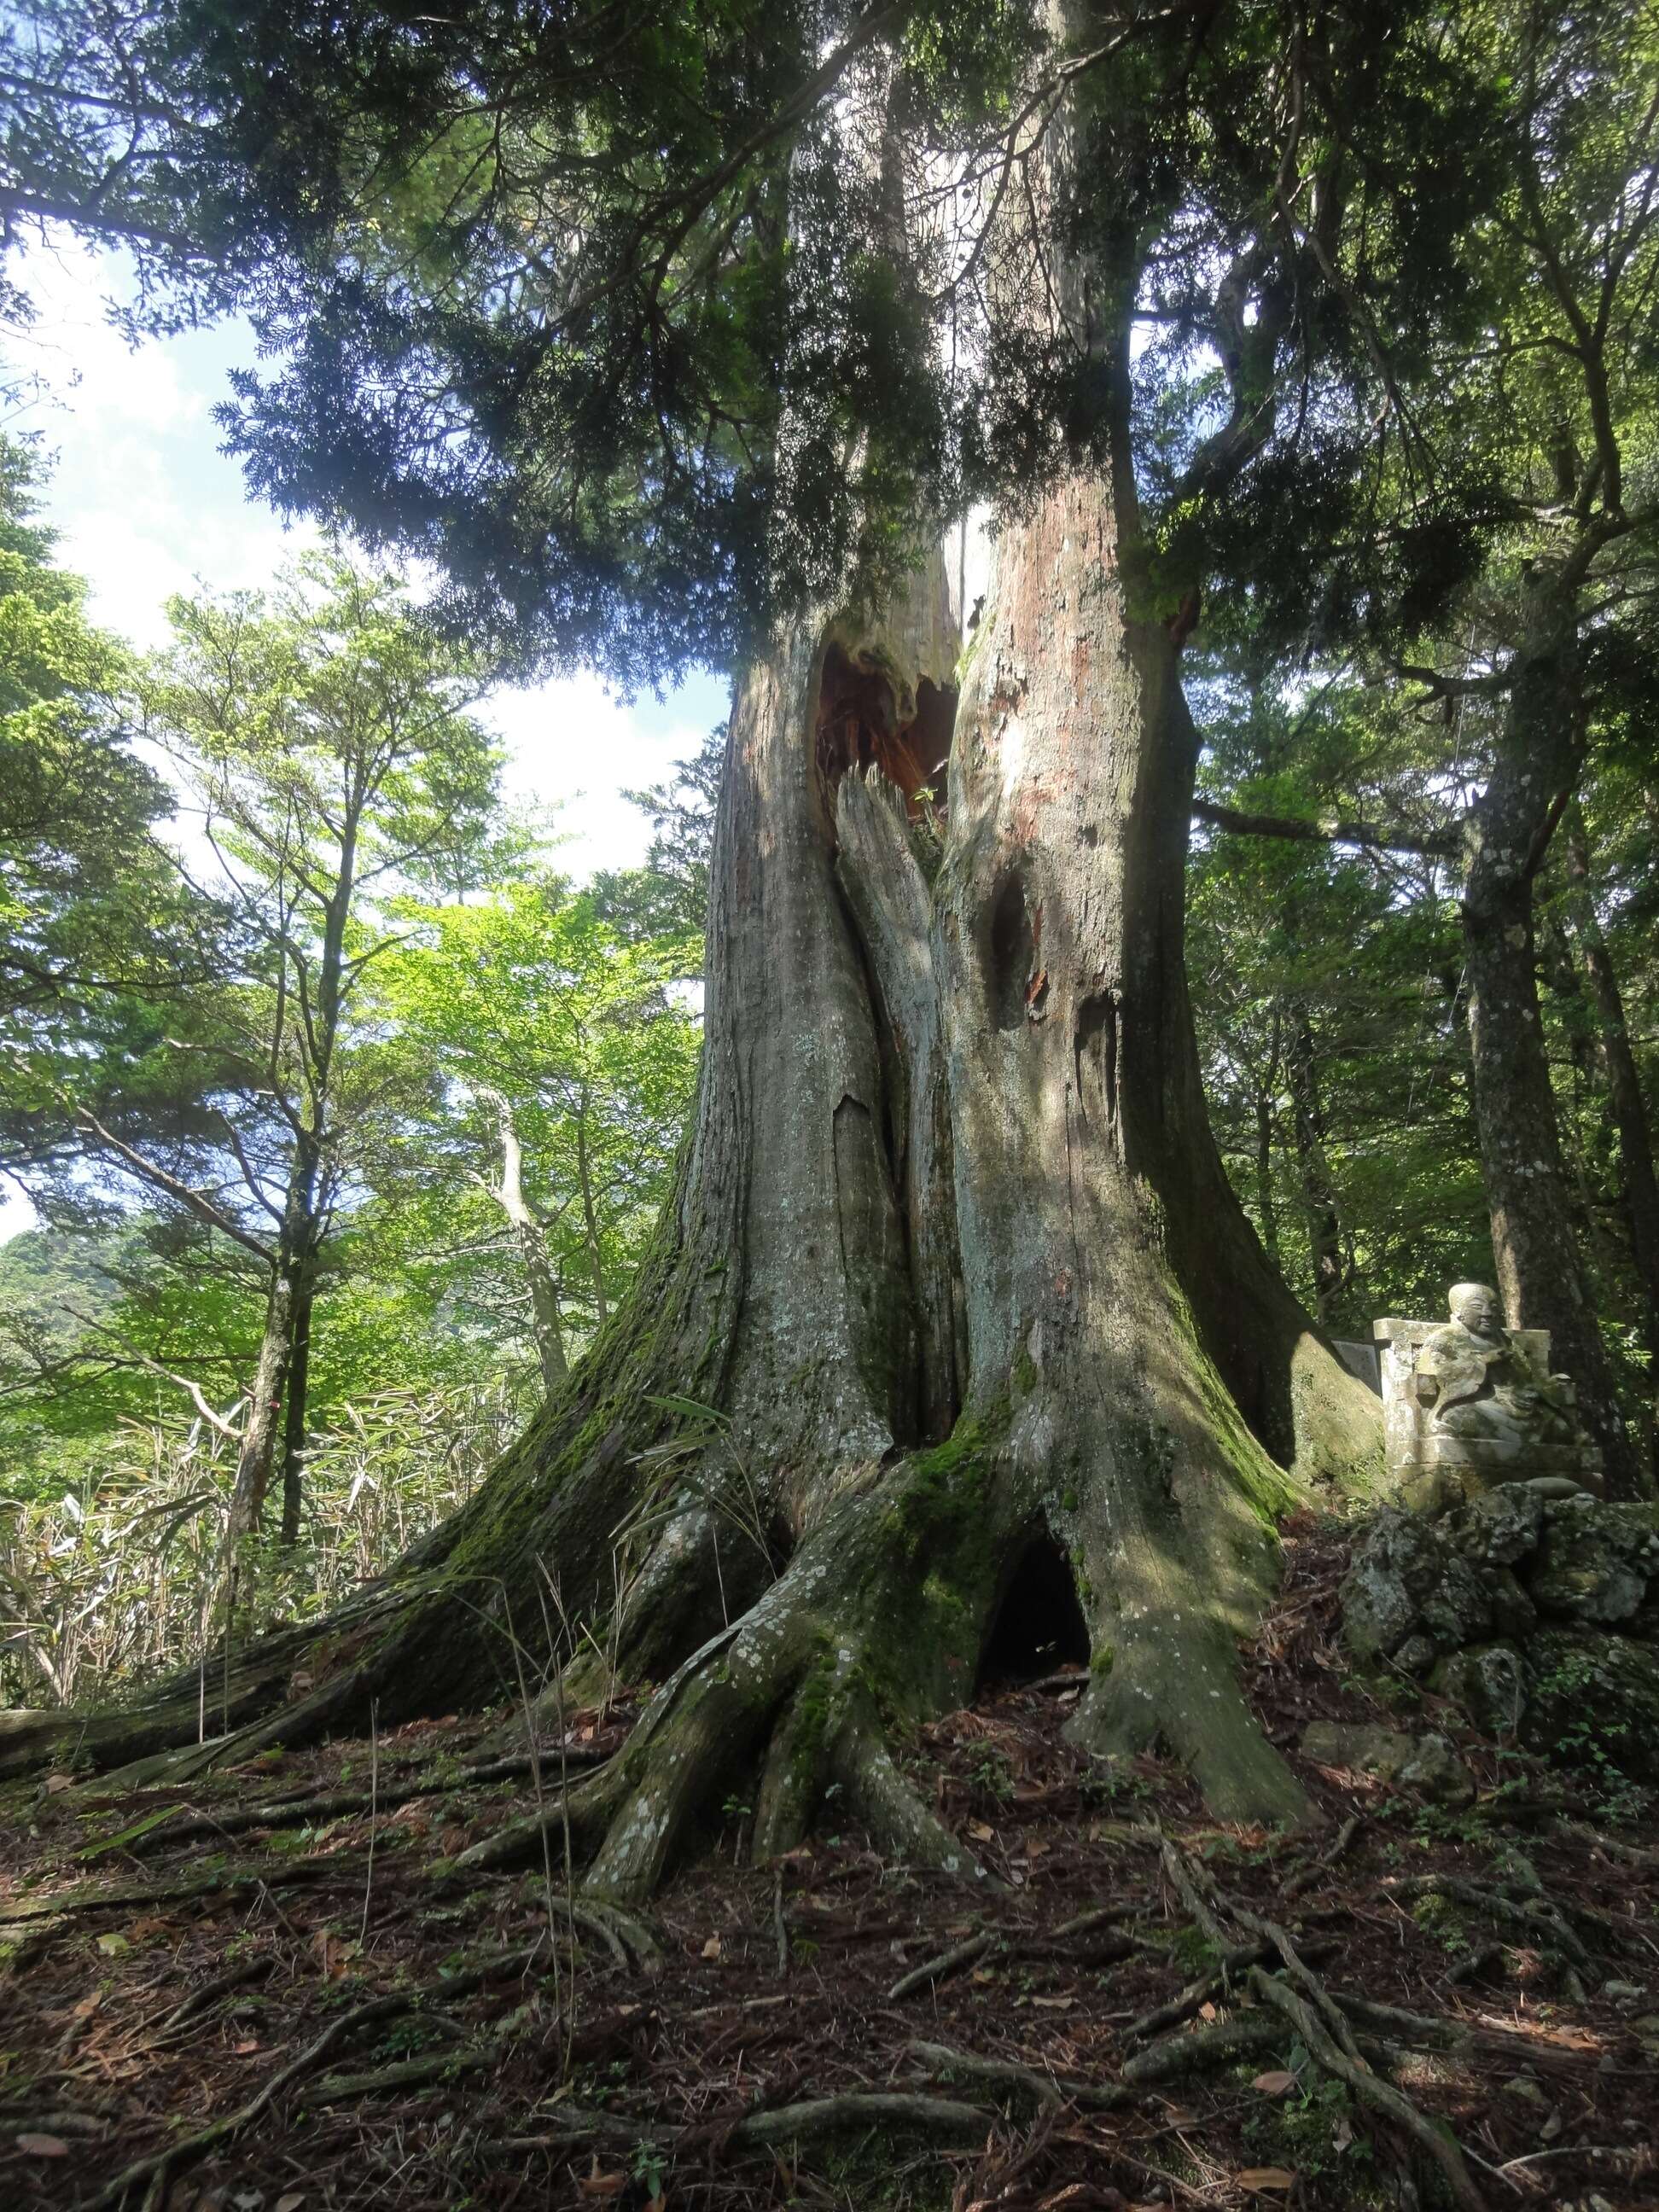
(300, 2013)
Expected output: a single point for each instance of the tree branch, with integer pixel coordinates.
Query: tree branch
(1440, 845)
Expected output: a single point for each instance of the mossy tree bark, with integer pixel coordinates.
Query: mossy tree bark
(952, 1257)
(1540, 757)
(952, 1281)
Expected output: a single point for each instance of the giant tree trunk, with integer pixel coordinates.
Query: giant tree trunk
(1540, 1275)
(953, 1300)
(952, 1252)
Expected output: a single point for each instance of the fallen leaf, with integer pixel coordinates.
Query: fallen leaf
(602, 2184)
(1266, 2180)
(1053, 2004)
(1278, 2083)
(711, 1949)
(1206, 2012)
(292, 2201)
(1341, 2135)
(43, 2146)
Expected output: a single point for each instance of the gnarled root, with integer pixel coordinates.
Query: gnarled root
(790, 1691)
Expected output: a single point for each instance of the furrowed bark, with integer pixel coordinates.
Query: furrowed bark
(1072, 1091)
(952, 1261)
(1625, 1093)
(1540, 1274)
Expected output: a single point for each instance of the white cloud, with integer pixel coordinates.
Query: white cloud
(574, 747)
(146, 506)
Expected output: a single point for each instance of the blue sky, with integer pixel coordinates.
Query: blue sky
(146, 505)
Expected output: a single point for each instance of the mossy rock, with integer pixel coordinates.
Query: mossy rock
(1408, 1578)
(1595, 1563)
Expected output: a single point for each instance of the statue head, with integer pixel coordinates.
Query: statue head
(1477, 1306)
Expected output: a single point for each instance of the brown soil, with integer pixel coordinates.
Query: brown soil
(575, 2080)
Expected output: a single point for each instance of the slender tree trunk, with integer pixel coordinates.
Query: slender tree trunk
(1266, 1203)
(289, 1300)
(1312, 1168)
(546, 1321)
(1540, 1273)
(299, 1234)
(591, 1221)
(293, 1417)
(1640, 1184)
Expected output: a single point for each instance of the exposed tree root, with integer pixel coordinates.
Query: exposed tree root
(155, 2171)
(1537, 1919)
(1199, 1992)
(1174, 1684)
(162, 1832)
(948, 1962)
(1345, 1835)
(1302, 1998)
(1240, 2035)
(1048, 2093)
(963, 2127)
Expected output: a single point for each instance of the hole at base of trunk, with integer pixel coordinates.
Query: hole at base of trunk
(859, 726)
(1039, 1625)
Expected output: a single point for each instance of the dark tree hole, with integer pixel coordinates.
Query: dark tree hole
(1039, 1624)
(859, 726)
(1012, 952)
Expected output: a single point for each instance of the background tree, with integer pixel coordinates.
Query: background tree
(569, 1068)
(329, 765)
(91, 920)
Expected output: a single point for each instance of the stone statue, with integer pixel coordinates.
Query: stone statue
(1469, 1403)
(1478, 1380)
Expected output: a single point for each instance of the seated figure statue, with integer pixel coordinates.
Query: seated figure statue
(1470, 1403)
(1477, 1380)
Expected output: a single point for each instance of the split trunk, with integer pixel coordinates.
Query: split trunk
(989, 1356)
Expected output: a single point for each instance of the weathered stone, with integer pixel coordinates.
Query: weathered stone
(1489, 1681)
(1435, 1768)
(1594, 1696)
(1358, 1750)
(1594, 1562)
(1502, 1524)
(1514, 1615)
(1416, 1654)
(1427, 1763)
(1406, 1580)
(1523, 2088)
